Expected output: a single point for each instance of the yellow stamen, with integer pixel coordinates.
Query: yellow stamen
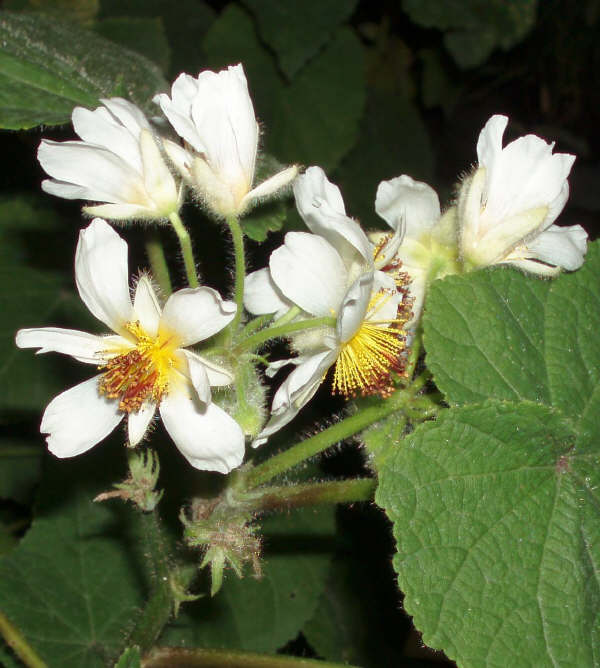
(142, 373)
(378, 349)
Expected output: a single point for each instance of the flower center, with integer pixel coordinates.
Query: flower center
(378, 349)
(142, 373)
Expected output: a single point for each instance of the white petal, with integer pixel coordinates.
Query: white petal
(354, 307)
(120, 211)
(138, 422)
(197, 374)
(310, 273)
(101, 274)
(523, 175)
(218, 376)
(178, 109)
(320, 204)
(223, 114)
(261, 295)
(272, 185)
(314, 184)
(100, 128)
(195, 314)
(296, 391)
(127, 113)
(180, 158)
(106, 177)
(82, 346)
(404, 199)
(158, 181)
(489, 143)
(205, 435)
(79, 418)
(146, 307)
(559, 246)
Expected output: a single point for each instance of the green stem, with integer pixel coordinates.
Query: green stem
(254, 341)
(158, 609)
(186, 249)
(240, 268)
(287, 317)
(285, 497)
(158, 262)
(257, 323)
(325, 439)
(178, 657)
(16, 641)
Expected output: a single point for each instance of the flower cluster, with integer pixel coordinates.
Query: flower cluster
(344, 299)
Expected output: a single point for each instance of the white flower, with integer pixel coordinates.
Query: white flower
(213, 113)
(428, 249)
(144, 365)
(331, 272)
(506, 209)
(118, 162)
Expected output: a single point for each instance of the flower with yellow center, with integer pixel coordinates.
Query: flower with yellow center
(214, 114)
(144, 366)
(332, 271)
(118, 162)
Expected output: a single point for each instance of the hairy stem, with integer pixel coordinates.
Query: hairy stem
(254, 341)
(158, 262)
(16, 641)
(158, 609)
(178, 657)
(240, 268)
(284, 497)
(325, 439)
(186, 249)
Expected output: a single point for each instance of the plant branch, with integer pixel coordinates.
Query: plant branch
(325, 439)
(254, 341)
(237, 236)
(178, 657)
(186, 249)
(158, 609)
(285, 497)
(16, 641)
(158, 262)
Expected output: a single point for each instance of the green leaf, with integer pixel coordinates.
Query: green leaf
(130, 658)
(474, 28)
(498, 535)
(265, 218)
(73, 584)
(143, 35)
(47, 67)
(392, 140)
(296, 31)
(269, 216)
(572, 344)
(28, 298)
(185, 23)
(82, 11)
(262, 615)
(337, 630)
(20, 466)
(484, 336)
(312, 120)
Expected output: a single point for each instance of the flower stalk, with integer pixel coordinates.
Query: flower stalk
(325, 439)
(158, 262)
(237, 236)
(264, 335)
(186, 249)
